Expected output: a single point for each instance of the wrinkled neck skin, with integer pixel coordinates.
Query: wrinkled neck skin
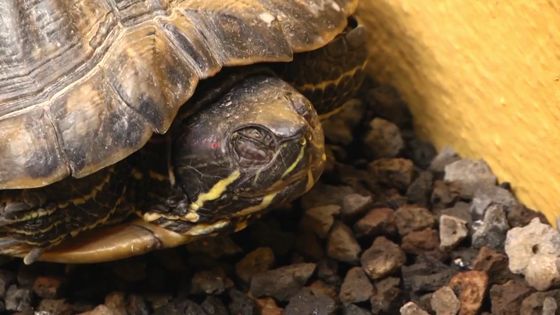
(254, 146)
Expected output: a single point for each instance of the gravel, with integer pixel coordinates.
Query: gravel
(444, 301)
(356, 287)
(534, 251)
(452, 231)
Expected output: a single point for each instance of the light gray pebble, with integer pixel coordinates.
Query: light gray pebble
(534, 251)
(452, 231)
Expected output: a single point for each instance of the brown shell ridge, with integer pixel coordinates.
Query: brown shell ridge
(133, 12)
(68, 47)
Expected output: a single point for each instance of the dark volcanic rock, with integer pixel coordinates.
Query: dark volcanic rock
(306, 302)
(536, 303)
(356, 287)
(387, 103)
(115, 301)
(486, 195)
(320, 219)
(319, 287)
(210, 282)
(420, 189)
(267, 306)
(444, 158)
(259, 260)
(214, 247)
(214, 306)
(521, 216)
(418, 242)
(444, 194)
(383, 140)
(54, 307)
(506, 298)
(241, 304)
(283, 282)
(411, 308)
(337, 132)
(379, 221)
(352, 309)
(47, 287)
(419, 151)
(137, 305)
(382, 258)
(397, 172)
(310, 246)
(460, 210)
(470, 175)
(413, 218)
(492, 231)
(426, 275)
(342, 245)
(494, 263)
(327, 270)
(6, 279)
(355, 204)
(445, 302)
(18, 299)
(104, 310)
(388, 296)
(323, 194)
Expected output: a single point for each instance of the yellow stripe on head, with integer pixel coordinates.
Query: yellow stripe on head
(298, 159)
(215, 192)
(267, 200)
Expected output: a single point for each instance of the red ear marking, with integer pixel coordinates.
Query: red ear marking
(214, 145)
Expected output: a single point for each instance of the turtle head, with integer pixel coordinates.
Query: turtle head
(259, 145)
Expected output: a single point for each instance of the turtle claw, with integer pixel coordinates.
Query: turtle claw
(33, 255)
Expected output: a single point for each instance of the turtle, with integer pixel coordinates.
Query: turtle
(128, 126)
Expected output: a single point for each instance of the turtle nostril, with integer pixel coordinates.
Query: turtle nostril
(300, 104)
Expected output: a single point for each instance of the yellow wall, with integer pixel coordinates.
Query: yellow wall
(482, 76)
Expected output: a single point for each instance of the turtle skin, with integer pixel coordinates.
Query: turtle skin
(89, 120)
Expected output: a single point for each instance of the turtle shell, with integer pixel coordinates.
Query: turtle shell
(85, 83)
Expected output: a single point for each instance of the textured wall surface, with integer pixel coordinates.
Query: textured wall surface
(482, 77)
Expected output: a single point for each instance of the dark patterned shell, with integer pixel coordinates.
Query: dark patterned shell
(84, 83)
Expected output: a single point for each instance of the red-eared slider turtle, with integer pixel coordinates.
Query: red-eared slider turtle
(84, 84)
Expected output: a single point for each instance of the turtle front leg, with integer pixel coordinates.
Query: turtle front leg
(33, 220)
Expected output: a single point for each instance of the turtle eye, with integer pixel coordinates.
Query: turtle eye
(253, 146)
